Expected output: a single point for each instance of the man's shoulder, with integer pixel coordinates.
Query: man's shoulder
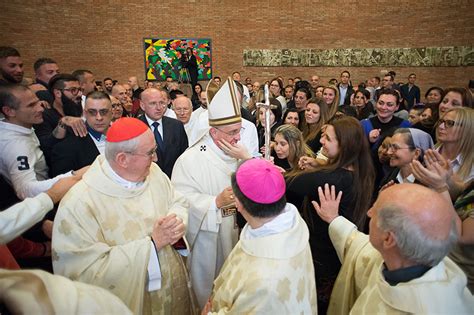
(172, 123)
(74, 142)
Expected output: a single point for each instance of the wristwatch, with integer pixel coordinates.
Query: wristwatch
(61, 124)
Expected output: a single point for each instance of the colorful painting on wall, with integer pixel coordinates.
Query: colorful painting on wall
(163, 58)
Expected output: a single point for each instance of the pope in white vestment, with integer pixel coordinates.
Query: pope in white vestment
(201, 174)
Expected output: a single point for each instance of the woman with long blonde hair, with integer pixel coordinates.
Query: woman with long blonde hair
(331, 97)
(289, 147)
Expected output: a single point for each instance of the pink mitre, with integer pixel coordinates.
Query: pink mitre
(260, 181)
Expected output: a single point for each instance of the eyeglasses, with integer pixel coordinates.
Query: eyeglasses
(150, 153)
(232, 133)
(73, 90)
(116, 105)
(102, 112)
(448, 123)
(395, 147)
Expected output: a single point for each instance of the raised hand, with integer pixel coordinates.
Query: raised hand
(328, 210)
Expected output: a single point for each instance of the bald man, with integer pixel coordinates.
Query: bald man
(120, 93)
(401, 266)
(169, 133)
(137, 90)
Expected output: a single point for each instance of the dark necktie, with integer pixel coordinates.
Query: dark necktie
(158, 138)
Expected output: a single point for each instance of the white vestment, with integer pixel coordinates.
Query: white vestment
(198, 126)
(361, 288)
(270, 270)
(39, 292)
(101, 236)
(201, 173)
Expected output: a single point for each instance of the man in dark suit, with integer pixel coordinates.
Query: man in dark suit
(76, 152)
(410, 92)
(169, 133)
(345, 88)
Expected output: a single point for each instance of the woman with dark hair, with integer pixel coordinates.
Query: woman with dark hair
(428, 119)
(455, 97)
(275, 121)
(434, 95)
(316, 115)
(276, 89)
(195, 99)
(361, 105)
(302, 96)
(290, 117)
(351, 171)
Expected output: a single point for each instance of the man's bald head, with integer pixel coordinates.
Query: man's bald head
(183, 107)
(119, 92)
(422, 221)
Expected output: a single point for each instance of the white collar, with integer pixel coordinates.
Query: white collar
(151, 121)
(409, 179)
(120, 180)
(14, 127)
(284, 221)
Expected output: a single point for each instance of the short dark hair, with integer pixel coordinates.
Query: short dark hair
(6, 51)
(390, 92)
(108, 79)
(42, 61)
(57, 81)
(389, 75)
(79, 74)
(7, 96)
(436, 88)
(364, 92)
(304, 90)
(257, 210)
(217, 77)
(174, 94)
(345, 71)
(392, 73)
(411, 74)
(98, 95)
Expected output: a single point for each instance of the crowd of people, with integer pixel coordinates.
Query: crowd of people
(159, 200)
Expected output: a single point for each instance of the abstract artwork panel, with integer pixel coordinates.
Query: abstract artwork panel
(163, 58)
(361, 57)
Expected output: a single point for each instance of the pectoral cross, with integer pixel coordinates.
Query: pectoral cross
(267, 107)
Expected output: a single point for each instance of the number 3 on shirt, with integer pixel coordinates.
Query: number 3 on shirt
(23, 165)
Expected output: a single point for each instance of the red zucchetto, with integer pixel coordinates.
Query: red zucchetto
(125, 128)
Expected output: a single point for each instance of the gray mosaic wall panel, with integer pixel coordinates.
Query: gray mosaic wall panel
(361, 57)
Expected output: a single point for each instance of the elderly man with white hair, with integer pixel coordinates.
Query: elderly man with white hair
(401, 266)
(116, 228)
(202, 174)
